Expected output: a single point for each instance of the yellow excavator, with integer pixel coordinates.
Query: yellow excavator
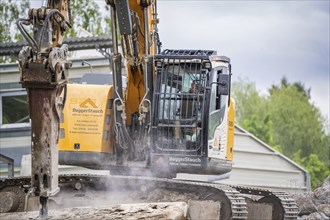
(174, 115)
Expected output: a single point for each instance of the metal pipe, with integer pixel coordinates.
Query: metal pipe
(113, 30)
(146, 31)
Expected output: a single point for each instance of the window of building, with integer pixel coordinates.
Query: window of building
(14, 109)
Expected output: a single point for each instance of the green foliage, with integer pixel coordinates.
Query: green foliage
(298, 85)
(252, 110)
(317, 169)
(85, 14)
(10, 12)
(261, 127)
(288, 121)
(297, 123)
(107, 21)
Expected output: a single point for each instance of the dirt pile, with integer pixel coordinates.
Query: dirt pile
(315, 205)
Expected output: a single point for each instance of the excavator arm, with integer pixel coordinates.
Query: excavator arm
(44, 72)
(135, 22)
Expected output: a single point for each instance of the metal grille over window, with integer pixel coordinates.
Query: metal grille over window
(179, 108)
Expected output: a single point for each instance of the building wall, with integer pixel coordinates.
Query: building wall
(257, 164)
(10, 76)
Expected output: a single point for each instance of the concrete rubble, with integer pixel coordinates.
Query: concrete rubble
(150, 211)
(315, 205)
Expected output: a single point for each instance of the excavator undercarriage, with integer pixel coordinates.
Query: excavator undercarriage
(233, 202)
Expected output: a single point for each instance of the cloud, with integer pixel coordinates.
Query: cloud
(264, 39)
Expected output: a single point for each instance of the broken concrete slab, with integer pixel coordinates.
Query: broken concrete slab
(152, 211)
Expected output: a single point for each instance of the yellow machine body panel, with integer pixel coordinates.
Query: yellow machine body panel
(231, 128)
(86, 119)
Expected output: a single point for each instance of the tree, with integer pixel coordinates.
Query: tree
(252, 110)
(287, 121)
(299, 86)
(317, 169)
(297, 124)
(85, 14)
(10, 12)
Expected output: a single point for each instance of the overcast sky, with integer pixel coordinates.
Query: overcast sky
(265, 40)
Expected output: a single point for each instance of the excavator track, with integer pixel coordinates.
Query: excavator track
(285, 206)
(233, 205)
(232, 198)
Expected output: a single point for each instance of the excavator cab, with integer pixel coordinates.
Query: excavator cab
(190, 113)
